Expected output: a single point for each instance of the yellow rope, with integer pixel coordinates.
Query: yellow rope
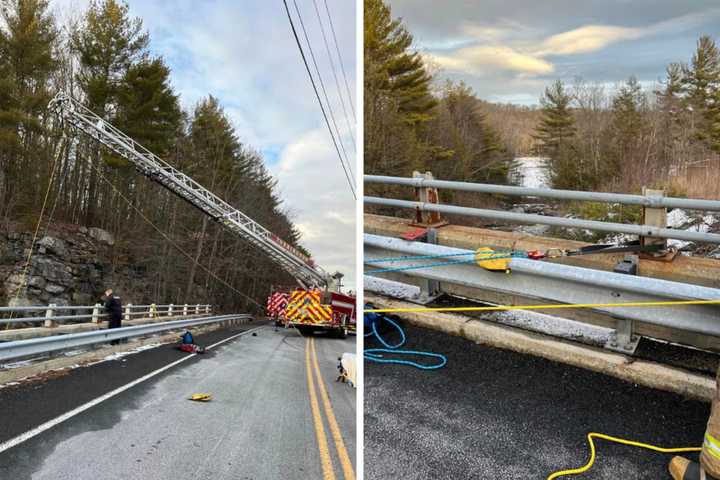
(23, 279)
(542, 307)
(591, 461)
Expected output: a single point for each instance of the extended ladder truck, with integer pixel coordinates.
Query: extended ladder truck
(315, 310)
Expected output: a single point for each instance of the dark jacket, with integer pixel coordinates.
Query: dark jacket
(113, 305)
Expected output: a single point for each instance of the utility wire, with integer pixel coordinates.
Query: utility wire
(342, 68)
(322, 87)
(317, 95)
(334, 72)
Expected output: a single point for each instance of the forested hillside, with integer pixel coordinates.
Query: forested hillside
(409, 126)
(104, 59)
(595, 136)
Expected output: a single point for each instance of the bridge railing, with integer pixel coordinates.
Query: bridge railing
(51, 315)
(427, 201)
(43, 345)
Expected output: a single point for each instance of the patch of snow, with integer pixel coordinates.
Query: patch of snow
(677, 217)
(18, 364)
(391, 288)
(120, 355)
(555, 326)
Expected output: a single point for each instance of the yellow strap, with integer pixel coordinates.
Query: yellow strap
(542, 307)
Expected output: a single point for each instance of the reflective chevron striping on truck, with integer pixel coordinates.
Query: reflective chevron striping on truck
(305, 306)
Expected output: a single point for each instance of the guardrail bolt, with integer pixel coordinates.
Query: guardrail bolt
(49, 314)
(128, 310)
(96, 313)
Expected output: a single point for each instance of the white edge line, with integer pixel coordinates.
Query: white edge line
(23, 437)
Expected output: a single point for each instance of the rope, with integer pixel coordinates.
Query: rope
(378, 355)
(170, 240)
(513, 254)
(591, 461)
(543, 307)
(26, 268)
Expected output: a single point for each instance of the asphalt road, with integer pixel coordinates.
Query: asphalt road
(498, 414)
(260, 423)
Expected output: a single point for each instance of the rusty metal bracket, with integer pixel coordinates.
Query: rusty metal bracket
(423, 194)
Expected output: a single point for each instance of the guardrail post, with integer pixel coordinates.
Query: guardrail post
(430, 288)
(197, 309)
(427, 195)
(207, 309)
(170, 310)
(153, 310)
(49, 314)
(128, 310)
(96, 313)
(624, 340)
(185, 310)
(654, 217)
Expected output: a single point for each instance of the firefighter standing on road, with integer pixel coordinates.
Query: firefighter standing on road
(113, 306)
(709, 467)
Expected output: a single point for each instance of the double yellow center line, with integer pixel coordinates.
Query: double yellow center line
(325, 458)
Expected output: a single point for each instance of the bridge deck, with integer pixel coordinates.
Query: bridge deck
(258, 425)
(497, 414)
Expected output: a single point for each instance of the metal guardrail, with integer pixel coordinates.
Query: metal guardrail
(50, 316)
(654, 201)
(36, 346)
(527, 218)
(557, 283)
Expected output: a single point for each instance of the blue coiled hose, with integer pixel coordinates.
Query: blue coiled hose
(379, 355)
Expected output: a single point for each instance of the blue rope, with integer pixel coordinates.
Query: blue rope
(377, 354)
(438, 264)
(416, 267)
(422, 257)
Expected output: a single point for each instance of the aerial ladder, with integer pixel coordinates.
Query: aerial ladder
(298, 265)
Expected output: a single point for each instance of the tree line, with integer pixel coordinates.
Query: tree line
(631, 137)
(411, 124)
(103, 59)
(594, 137)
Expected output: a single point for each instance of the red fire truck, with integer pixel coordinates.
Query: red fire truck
(313, 310)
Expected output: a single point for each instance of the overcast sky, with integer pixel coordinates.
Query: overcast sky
(509, 50)
(243, 53)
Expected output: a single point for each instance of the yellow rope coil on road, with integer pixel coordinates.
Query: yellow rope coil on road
(591, 461)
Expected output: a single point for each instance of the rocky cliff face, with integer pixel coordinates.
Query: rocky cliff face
(70, 265)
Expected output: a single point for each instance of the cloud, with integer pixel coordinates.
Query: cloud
(477, 60)
(588, 38)
(310, 176)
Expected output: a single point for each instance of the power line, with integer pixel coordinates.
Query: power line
(342, 68)
(334, 72)
(348, 174)
(322, 87)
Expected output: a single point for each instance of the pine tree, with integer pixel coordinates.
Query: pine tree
(107, 43)
(702, 85)
(398, 103)
(392, 70)
(555, 136)
(27, 61)
(147, 107)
